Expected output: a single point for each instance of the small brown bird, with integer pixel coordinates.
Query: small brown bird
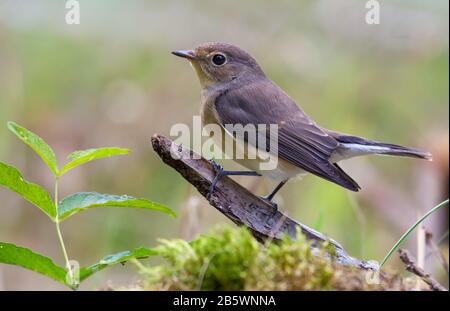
(235, 90)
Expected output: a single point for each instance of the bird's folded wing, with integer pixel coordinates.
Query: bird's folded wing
(300, 141)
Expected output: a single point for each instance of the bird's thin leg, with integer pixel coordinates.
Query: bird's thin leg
(270, 196)
(221, 172)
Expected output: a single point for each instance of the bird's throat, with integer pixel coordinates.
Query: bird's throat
(205, 80)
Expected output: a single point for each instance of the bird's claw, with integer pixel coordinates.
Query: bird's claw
(270, 202)
(219, 172)
(217, 167)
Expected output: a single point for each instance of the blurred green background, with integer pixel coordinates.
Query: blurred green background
(111, 81)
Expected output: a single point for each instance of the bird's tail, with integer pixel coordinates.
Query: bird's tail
(364, 146)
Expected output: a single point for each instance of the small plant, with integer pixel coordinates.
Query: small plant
(58, 211)
(230, 258)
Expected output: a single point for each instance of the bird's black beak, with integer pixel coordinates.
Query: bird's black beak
(189, 54)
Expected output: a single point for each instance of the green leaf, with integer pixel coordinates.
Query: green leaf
(83, 156)
(20, 256)
(12, 179)
(110, 260)
(84, 200)
(37, 144)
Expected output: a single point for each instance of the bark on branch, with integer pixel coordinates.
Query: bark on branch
(238, 204)
(411, 266)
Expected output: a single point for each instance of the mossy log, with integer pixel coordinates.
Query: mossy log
(240, 205)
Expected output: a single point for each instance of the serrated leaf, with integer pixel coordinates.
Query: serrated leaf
(37, 144)
(110, 260)
(20, 256)
(12, 179)
(84, 156)
(84, 200)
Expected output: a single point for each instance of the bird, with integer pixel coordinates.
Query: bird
(235, 90)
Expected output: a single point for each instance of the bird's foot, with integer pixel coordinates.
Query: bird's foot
(217, 167)
(219, 173)
(269, 201)
(268, 198)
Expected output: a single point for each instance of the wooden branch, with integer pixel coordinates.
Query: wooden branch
(238, 204)
(410, 263)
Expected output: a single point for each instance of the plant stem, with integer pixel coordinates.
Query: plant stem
(58, 230)
(405, 235)
(63, 247)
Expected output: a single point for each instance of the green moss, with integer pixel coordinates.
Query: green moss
(231, 259)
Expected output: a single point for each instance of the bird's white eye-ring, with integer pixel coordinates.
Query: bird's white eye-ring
(219, 59)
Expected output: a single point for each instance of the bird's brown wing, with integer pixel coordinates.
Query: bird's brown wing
(300, 141)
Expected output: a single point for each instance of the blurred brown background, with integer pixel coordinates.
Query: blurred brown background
(111, 81)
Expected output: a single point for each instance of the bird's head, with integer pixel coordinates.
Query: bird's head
(220, 63)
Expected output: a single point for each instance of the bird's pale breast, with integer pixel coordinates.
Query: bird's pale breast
(284, 170)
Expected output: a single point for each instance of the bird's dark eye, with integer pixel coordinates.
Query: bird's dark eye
(219, 59)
